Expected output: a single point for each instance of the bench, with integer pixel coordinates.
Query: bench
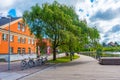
(109, 61)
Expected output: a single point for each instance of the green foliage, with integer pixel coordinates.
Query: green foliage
(110, 55)
(112, 49)
(61, 25)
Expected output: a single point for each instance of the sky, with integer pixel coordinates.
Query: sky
(102, 14)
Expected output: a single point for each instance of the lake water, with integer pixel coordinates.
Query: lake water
(112, 52)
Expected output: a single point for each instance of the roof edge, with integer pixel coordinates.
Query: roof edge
(5, 25)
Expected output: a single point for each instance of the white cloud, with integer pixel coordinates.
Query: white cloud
(106, 25)
(114, 37)
(89, 8)
(85, 6)
(6, 3)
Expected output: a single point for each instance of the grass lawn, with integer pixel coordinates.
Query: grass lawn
(64, 59)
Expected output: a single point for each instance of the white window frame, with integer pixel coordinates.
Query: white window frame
(19, 26)
(4, 37)
(23, 28)
(29, 50)
(19, 50)
(23, 50)
(19, 39)
(29, 40)
(23, 40)
(11, 37)
(32, 41)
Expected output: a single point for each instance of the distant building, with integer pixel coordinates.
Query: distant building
(113, 44)
(21, 40)
(44, 44)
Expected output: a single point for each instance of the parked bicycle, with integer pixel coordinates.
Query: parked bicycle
(24, 64)
(44, 59)
(32, 62)
(38, 61)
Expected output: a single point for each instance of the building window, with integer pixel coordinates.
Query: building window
(32, 41)
(11, 50)
(23, 40)
(23, 28)
(19, 26)
(11, 38)
(29, 40)
(29, 50)
(4, 37)
(19, 50)
(23, 50)
(19, 39)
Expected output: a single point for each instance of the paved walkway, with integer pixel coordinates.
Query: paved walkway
(16, 72)
(85, 68)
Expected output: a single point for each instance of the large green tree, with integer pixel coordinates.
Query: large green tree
(59, 23)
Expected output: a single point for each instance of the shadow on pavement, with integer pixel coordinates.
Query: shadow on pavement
(14, 66)
(74, 63)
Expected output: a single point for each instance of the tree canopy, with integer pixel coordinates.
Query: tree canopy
(61, 25)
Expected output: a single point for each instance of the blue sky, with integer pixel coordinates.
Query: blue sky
(104, 14)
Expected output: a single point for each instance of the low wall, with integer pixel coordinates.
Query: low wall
(16, 57)
(109, 60)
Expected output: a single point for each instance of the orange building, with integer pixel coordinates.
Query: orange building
(21, 40)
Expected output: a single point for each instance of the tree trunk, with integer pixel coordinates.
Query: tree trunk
(54, 54)
(38, 51)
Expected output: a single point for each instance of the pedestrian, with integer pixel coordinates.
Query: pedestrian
(72, 53)
(66, 54)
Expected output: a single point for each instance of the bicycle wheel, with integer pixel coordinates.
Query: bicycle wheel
(31, 63)
(23, 64)
(39, 62)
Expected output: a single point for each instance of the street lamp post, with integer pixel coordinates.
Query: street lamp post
(9, 43)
